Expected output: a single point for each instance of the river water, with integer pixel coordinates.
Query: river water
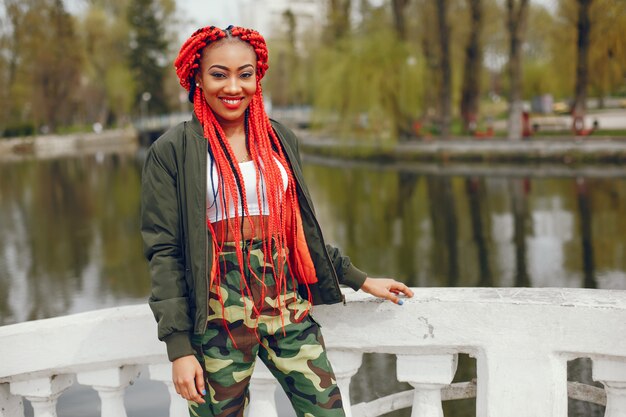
(70, 242)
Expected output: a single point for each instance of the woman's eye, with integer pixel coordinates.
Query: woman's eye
(217, 75)
(246, 75)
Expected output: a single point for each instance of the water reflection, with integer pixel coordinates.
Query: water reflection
(437, 230)
(69, 236)
(481, 228)
(584, 209)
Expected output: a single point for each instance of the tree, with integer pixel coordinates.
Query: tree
(516, 12)
(398, 8)
(12, 52)
(148, 52)
(582, 59)
(108, 88)
(472, 68)
(606, 57)
(445, 67)
(369, 82)
(338, 19)
(51, 63)
(607, 51)
(427, 40)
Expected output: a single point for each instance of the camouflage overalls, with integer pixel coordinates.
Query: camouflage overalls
(297, 357)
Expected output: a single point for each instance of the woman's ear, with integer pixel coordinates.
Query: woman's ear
(198, 81)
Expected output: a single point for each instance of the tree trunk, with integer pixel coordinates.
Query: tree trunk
(582, 68)
(338, 18)
(473, 64)
(445, 86)
(398, 8)
(516, 25)
(430, 57)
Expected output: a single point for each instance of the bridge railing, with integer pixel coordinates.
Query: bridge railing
(521, 339)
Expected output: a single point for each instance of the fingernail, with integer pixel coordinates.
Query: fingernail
(203, 392)
(400, 302)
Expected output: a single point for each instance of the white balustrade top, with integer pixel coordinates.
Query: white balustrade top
(506, 322)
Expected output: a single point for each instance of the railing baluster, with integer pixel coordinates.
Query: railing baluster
(502, 370)
(262, 389)
(11, 405)
(612, 374)
(345, 364)
(427, 374)
(43, 393)
(163, 372)
(110, 385)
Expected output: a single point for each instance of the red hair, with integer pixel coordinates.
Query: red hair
(264, 148)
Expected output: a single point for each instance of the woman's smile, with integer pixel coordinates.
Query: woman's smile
(232, 103)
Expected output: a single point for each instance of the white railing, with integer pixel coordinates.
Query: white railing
(521, 339)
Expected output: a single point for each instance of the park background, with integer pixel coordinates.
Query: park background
(388, 69)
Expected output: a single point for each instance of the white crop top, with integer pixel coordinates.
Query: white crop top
(215, 207)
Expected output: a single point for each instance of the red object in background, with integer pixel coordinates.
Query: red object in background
(578, 125)
(484, 134)
(527, 130)
(417, 128)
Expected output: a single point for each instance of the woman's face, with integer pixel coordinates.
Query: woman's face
(227, 78)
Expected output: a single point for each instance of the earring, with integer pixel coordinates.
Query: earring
(197, 84)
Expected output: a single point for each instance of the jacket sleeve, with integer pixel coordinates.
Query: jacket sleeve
(163, 248)
(347, 273)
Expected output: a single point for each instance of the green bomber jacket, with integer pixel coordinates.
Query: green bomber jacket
(177, 245)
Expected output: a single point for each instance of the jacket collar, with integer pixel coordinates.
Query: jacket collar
(195, 125)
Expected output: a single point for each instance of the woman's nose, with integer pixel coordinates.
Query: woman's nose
(233, 85)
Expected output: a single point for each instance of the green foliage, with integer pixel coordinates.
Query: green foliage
(371, 81)
(107, 79)
(287, 81)
(607, 52)
(148, 49)
(607, 56)
(40, 64)
(57, 69)
(18, 129)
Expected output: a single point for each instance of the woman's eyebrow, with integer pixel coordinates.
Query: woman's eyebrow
(225, 68)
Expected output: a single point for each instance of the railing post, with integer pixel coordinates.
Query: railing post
(110, 385)
(612, 374)
(163, 372)
(508, 369)
(345, 364)
(262, 392)
(10, 405)
(427, 374)
(43, 392)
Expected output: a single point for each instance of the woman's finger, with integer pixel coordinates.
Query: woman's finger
(199, 380)
(402, 288)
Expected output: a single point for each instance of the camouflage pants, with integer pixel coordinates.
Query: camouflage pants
(296, 356)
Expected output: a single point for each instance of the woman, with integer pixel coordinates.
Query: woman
(236, 255)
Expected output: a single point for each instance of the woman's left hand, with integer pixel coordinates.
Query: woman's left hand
(386, 288)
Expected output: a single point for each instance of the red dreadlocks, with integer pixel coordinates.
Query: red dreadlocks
(264, 149)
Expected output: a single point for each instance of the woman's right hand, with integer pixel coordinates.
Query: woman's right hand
(188, 378)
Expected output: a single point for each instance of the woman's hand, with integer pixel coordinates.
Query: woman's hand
(188, 378)
(386, 288)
